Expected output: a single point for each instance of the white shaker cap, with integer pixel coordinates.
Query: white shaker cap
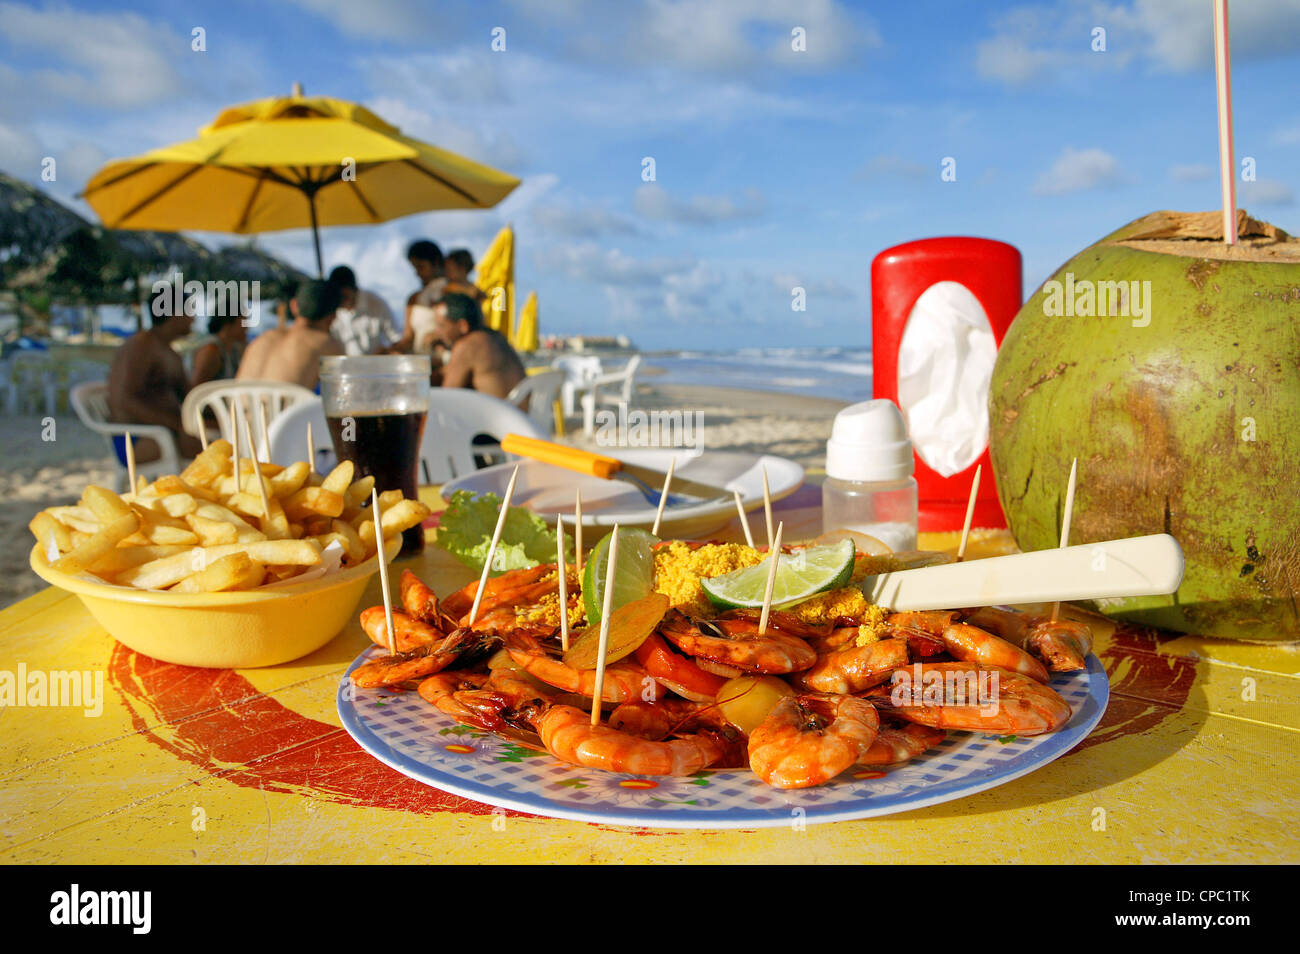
(869, 443)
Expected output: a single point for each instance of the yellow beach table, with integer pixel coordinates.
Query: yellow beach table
(1194, 761)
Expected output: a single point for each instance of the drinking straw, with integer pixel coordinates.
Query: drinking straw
(1223, 80)
(383, 570)
(771, 580)
(744, 521)
(1065, 524)
(663, 496)
(492, 548)
(970, 513)
(606, 609)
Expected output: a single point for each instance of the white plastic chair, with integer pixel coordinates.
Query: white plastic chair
(625, 381)
(90, 401)
(220, 397)
(456, 417)
(579, 371)
(541, 391)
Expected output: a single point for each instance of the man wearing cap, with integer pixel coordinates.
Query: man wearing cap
(293, 353)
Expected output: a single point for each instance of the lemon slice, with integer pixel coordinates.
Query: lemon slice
(799, 575)
(633, 577)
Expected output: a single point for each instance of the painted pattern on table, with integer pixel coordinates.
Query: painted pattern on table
(218, 721)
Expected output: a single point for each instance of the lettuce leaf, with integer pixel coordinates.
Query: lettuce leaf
(465, 531)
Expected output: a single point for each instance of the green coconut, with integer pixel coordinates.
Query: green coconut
(1169, 364)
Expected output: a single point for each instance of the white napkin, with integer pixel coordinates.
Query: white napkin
(945, 364)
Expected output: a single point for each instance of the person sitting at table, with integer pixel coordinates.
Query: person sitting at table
(363, 323)
(293, 354)
(217, 356)
(147, 382)
(417, 334)
(481, 358)
(458, 265)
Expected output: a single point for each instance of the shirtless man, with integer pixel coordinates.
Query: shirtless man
(481, 358)
(147, 381)
(293, 353)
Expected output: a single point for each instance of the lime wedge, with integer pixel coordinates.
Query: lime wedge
(633, 576)
(799, 575)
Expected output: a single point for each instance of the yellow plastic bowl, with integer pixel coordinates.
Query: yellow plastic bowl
(238, 630)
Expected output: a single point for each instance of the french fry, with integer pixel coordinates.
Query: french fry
(171, 484)
(402, 515)
(43, 526)
(98, 544)
(105, 504)
(356, 550)
(209, 465)
(340, 478)
(276, 525)
(211, 532)
(178, 505)
(75, 518)
(290, 480)
(124, 558)
(313, 501)
(169, 571)
(359, 493)
(390, 497)
(237, 571)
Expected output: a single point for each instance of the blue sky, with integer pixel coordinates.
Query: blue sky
(775, 168)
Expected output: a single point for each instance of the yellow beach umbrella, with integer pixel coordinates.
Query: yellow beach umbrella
(290, 162)
(496, 277)
(526, 329)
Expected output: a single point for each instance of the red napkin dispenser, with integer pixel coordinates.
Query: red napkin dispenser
(970, 287)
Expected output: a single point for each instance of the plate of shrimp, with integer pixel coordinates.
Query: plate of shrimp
(853, 712)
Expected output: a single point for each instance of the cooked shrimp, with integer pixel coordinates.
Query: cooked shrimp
(440, 690)
(496, 589)
(809, 739)
(1063, 645)
(417, 599)
(623, 680)
(847, 671)
(896, 745)
(970, 643)
(569, 735)
(410, 633)
(392, 669)
(739, 645)
(953, 696)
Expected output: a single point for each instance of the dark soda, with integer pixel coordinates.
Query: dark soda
(385, 446)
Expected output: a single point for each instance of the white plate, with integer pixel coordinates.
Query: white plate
(406, 733)
(548, 490)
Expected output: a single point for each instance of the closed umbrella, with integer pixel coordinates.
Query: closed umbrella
(290, 162)
(526, 330)
(496, 277)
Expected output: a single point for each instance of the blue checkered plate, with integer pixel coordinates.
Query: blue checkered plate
(406, 733)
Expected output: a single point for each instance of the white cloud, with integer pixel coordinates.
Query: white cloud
(116, 60)
(655, 202)
(896, 167)
(582, 221)
(1265, 192)
(1195, 172)
(1076, 170)
(480, 141)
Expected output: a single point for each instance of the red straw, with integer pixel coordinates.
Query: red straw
(1223, 78)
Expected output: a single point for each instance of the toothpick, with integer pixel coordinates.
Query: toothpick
(607, 608)
(130, 461)
(767, 506)
(663, 496)
(577, 529)
(771, 580)
(564, 582)
(1065, 524)
(744, 520)
(492, 549)
(1223, 83)
(383, 569)
(203, 433)
(311, 450)
(970, 513)
(257, 473)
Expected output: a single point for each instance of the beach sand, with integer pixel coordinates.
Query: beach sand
(41, 473)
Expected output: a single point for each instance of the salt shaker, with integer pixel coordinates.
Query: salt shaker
(869, 485)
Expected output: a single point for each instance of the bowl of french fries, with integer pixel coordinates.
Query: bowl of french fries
(204, 568)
